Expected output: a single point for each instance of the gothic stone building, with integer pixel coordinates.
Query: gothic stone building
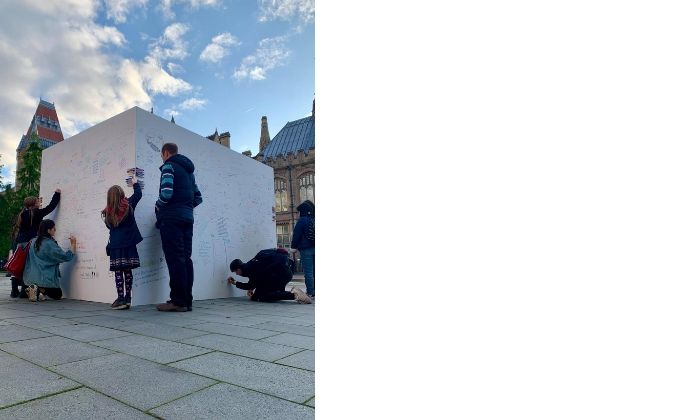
(223, 139)
(45, 124)
(291, 153)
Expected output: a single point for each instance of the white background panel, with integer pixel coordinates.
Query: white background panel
(235, 220)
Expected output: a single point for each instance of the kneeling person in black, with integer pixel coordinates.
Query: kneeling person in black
(268, 274)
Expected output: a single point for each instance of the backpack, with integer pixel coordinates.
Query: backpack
(310, 230)
(15, 265)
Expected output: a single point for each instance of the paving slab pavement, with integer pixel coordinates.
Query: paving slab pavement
(228, 358)
(229, 401)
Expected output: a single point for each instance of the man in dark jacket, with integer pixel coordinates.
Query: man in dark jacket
(303, 239)
(177, 199)
(268, 273)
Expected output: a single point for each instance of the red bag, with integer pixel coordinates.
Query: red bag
(16, 263)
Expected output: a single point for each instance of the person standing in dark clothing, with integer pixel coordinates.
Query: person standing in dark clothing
(303, 239)
(268, 274)
(178, 197)
(26, 228)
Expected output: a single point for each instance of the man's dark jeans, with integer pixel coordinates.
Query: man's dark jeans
(176, 238)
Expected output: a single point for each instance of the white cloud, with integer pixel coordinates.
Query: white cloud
(166, 6)
(217, 50)
(271, 53)
(158, 81)
(193, 103)
(117, 10)
(186, 105)
(170, 112)
(170, 46)
(175, 68)
(286, 10)
(78, 66)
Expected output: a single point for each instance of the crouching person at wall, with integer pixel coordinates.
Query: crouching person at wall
(268, 274)
(41, 274)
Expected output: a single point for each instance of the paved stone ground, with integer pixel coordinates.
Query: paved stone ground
(228, 358)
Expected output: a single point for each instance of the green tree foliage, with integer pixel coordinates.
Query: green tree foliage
(10, 205)
(12, 201)
(29, 175)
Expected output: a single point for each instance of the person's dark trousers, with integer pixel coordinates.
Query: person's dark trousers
(190, 266)
(15, 287)
(16, 283)
(176, 238)
(272, 295)
(308, 261)
(53, 292)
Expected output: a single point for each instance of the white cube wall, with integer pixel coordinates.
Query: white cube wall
(236, 219)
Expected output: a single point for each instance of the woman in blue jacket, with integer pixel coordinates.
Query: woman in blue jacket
(123, 236)
(41, 272)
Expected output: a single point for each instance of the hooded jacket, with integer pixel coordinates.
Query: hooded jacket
(268, 270)
(307, 214)
(179, 193)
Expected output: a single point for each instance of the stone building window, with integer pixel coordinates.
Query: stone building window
(281, 203)
(283, 238)
(306, 187)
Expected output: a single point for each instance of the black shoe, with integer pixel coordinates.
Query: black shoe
(119, 304)
(14, 294)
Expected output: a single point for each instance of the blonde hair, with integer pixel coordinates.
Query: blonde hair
(115, 194)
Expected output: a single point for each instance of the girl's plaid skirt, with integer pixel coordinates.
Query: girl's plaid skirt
(121, 259)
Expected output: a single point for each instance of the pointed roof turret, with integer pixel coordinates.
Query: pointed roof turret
(264, 134)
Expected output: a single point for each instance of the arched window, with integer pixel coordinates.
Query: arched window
(284, 238)
(306, 187)
(281, 203)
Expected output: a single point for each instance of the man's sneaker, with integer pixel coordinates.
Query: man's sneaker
(300, 296)
(32, 293)
(120, 303)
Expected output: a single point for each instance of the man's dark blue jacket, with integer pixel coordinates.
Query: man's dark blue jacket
(179, 194)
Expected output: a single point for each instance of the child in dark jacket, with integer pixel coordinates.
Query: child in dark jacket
(123, 236)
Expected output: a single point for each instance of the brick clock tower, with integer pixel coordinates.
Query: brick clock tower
(45, 125)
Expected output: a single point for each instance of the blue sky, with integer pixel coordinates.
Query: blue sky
(212, 63)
